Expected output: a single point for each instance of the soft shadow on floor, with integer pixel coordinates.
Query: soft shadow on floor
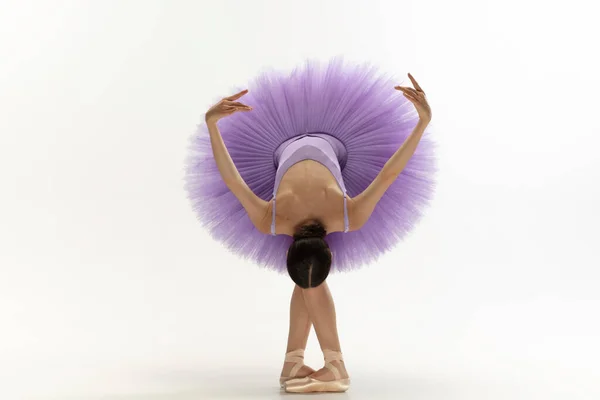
(216, 385)
(243, 385)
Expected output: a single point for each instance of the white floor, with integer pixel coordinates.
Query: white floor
(164, 333)
(258, 383)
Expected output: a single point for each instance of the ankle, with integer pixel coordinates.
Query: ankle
(333, 355)
(331, 350)
(295, 356)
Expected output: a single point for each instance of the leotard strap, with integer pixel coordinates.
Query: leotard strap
(273, 218)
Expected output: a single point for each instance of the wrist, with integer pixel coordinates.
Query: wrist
(425, 120)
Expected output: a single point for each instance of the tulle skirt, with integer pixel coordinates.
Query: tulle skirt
(354, 103)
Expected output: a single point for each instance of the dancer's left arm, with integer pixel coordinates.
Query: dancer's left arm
(361, 207)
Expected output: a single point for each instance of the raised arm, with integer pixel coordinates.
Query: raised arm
(257, 208)
(362, 206)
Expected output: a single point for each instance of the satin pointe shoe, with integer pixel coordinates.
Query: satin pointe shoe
(296, 356)
(310, 384)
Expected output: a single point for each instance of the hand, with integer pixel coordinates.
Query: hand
(417, 97)
(226, 107)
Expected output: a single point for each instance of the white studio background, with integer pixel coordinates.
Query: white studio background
(110, 289)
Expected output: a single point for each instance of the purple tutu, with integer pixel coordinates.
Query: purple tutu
(354, 104)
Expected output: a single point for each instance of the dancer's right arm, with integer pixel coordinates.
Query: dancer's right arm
(257, 208)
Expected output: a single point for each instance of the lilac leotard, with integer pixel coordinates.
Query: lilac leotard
(320, 147)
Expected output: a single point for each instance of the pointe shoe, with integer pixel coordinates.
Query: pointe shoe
(310, 384)
(296, 356)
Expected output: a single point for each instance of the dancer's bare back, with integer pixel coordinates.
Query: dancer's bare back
(308, 190)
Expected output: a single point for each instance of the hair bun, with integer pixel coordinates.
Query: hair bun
(315, 230)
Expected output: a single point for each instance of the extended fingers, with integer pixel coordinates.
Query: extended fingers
(233, 106)
(415, 83)
(232, 109)
(237, 95)
(236, 104)
(409, 90)
(412, 98)
(411, 93)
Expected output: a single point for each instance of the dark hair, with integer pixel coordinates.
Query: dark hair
(309, 257)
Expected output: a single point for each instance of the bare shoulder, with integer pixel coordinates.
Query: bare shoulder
(259, 213)
(362, 206)
(358, 214)
(282, 223)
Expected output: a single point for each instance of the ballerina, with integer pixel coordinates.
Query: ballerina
(310, 201)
